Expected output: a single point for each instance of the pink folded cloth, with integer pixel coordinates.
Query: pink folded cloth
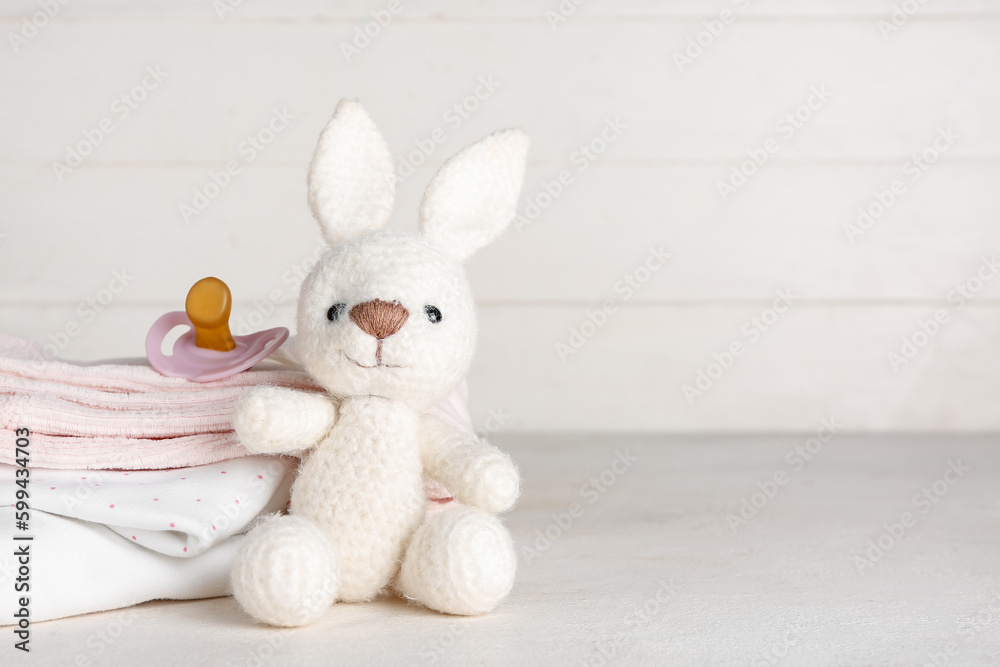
(127, 416)
(23, 359)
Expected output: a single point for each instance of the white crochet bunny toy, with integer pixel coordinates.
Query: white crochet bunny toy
(387, 325)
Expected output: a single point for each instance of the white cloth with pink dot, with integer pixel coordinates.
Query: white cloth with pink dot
(181, 512)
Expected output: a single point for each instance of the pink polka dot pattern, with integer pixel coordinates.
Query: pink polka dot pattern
(129, 504)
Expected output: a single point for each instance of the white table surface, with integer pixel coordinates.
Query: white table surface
(782, 589)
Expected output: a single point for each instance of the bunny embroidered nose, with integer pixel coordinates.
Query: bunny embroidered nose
(379, 318)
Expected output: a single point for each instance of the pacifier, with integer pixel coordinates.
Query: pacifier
(208, 351)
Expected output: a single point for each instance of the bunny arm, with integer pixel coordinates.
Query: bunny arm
(474, 471)
(275, 420)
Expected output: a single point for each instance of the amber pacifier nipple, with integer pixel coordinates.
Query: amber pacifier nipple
(208, 305)
(208, 350)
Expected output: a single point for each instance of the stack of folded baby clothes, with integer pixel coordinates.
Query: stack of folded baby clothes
(138, 487)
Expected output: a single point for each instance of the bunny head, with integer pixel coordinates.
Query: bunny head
(386, 313)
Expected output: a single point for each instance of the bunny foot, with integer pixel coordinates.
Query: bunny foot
(286, 571)
(460, 561)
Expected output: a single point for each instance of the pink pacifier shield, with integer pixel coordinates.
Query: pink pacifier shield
(199, 365)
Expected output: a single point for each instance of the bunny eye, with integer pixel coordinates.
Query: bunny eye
(336, 311)
(433, 314)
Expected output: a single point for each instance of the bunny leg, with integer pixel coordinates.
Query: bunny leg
(286, 571)
(461, 560)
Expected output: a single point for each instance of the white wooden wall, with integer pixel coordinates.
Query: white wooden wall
(655, 184)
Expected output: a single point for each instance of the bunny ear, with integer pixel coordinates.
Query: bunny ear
(351, 180)
(474, 196)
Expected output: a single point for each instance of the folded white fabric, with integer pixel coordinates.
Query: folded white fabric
(77, 567)
(180, 512)
(105, 539)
